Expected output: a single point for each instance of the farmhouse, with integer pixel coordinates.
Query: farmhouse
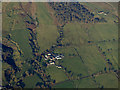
(49, 54)
(45, 58)
(100, 12)
(58, 66)
(52, 63)
(58, 57)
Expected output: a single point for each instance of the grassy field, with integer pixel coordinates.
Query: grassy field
(47, 30)
(46, 36)
(85, 83)
(75, 65)
(76, 34)
(101, 32)
(78, 38)
(11, 18)
(103, 6)
(108, 80)
(22, 38)
(112, 8)
(66, 84)
(111, 50)
(43, 14)
(31, 81)
(56, 74)
(13, 24)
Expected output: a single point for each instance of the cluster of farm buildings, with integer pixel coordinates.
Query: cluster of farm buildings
(51, 58)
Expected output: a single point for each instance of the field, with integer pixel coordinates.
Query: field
(56, 74)
(103, 35)
(22, 37)
(83, 83)
(11, 18)
(31, 81)
(47, 30)
(66, 84)
(79, 39)
(46, 37)
(107, 80)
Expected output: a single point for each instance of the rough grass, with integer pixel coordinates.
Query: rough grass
(46, 36)
(112, 54)
(75, 65)
(31, 81)
(101, 6)
(47, 30)
(106, 7)
(56, 74)
(85, 83)
(14, 21)
(43, 14)
(66, 84)
(75, 34)
(103, 32)
(78, 38)
(108, 80)
(21, 37)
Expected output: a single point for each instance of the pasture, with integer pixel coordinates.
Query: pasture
(108, 80)
(47, 30)
(66, 84)
(85, 83)
(22, 38)
(56, 74)
(31, 81)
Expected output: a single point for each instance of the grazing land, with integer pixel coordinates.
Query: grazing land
(60, 45)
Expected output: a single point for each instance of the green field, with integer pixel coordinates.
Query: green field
(46, 36)
(56, 74)
(66, 84)
(12, 19)
(94, 61)
(101, 32)
(31, 81)
(108, 80)
(85, 83)
(22, 38)
(78, 39)
(47, 30)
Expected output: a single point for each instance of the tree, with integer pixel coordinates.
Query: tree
(79, 75)
(44, 64)
(105, 69)
(103, 52)
(102, 87)
(54, 81)
(39, 84)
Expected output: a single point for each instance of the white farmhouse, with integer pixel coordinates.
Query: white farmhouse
(52, 63)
